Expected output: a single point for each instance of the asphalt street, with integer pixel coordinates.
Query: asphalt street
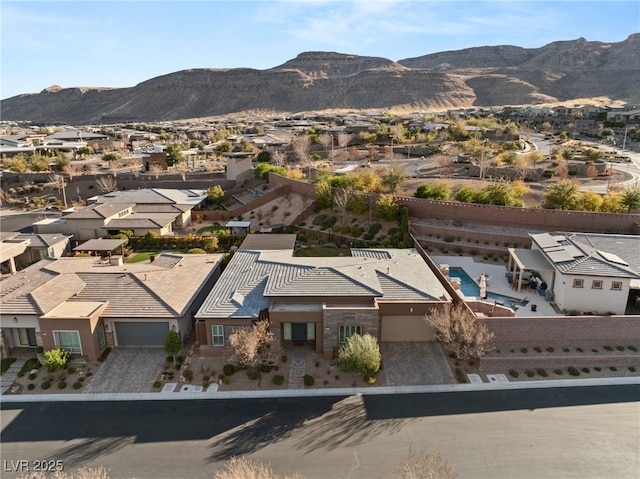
(579, 432)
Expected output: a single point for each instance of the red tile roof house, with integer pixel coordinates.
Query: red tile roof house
(85, 304)
(319, 302)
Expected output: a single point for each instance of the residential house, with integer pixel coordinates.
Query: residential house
(19, 250)
(593, 273)
(320, 302)
(160, 211)
(85, 304)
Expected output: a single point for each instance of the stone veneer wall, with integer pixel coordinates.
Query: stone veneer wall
(334, 317)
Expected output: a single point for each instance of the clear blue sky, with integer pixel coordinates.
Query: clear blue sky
(120, 44)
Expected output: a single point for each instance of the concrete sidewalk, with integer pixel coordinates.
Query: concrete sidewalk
(288, 393)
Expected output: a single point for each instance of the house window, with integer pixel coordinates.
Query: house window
(347, 331)
(597, 284)
(217, 335)
(311, 331)
(578, 283)
(617, 285)
(101, 339)
(286, 331)
(68, 340)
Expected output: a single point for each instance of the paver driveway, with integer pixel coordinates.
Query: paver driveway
(415, 364)
(128, 370)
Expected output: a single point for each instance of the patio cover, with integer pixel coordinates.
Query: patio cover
(100, 245)
(526, 259)
(529, 259)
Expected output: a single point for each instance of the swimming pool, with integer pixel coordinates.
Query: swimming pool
(471, 289)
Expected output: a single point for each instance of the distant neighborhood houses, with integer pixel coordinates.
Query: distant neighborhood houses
(157, 210)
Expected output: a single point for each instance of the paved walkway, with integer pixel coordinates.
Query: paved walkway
(414, 364)
(7, 378)
(128, 370)
(297, 370)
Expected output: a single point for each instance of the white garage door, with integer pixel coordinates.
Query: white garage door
(406, 328)
(141, 333)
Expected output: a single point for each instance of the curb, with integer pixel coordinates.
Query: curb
(293, 393)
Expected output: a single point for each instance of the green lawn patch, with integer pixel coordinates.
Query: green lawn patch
(210, 229)
(142, 256)
(322, 252)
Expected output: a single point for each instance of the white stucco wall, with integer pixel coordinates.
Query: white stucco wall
(587, 298)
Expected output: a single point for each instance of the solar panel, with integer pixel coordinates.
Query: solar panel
(560, 256)
(545, 240)
(574, 251)
(612, 258)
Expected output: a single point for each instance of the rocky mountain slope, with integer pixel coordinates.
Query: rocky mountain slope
(483, 76)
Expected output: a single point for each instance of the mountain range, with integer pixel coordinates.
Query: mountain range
(315, 81)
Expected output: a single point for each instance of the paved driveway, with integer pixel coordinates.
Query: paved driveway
(415, 364)
(128, 370)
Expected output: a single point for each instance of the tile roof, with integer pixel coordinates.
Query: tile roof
(164, 288)
(592, 254)
(251, 278)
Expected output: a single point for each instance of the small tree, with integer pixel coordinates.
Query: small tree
(107, 184)
(56, 359)
(630, 197)
(387, 207)
(173, 344)
(466, 335)
(424, 465)
(254, 346)
(361, 353)
(216, 194)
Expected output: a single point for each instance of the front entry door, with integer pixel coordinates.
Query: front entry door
(299, 332)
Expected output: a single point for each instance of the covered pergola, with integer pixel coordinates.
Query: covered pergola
(521, 260)
(101, 245)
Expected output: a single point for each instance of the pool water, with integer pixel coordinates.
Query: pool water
(471, 289)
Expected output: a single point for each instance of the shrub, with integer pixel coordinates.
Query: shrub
(632, 369)
(361, 353)
(228, 369)
(278, 379)
(537, 349)
(157, 385)
(45, 385)
(20, 374)
(62, 384)
(559, 372)
(550, 350)
(254, 374)
(460, 376)
(77, 385)
(613, 368)
(542, 372)
(620, 348)
(580, 350)
(308, 380)
(513, 373)
(32, 376)
(56, 359)
(608, 348)
(597, 368)
(573, 371)
(524, 350)
(265, 368)
(632, 348)
(168, 359)
(104, 354)
(586, 370)
(226, 380)
(6, 363)
(566, 350)
(530, 373)
(188, 375)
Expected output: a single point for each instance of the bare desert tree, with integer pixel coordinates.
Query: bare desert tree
(242, 468)
(59, 183)
(82, 473)
(340, 202)
(301, 145)
(278, 158)
(325, 140)
(466, 335)
(344, 139)
(445, 164)
(107, 184)
(254, 346)
(423, 465)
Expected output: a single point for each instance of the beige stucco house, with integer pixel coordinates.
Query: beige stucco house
(320, 302)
